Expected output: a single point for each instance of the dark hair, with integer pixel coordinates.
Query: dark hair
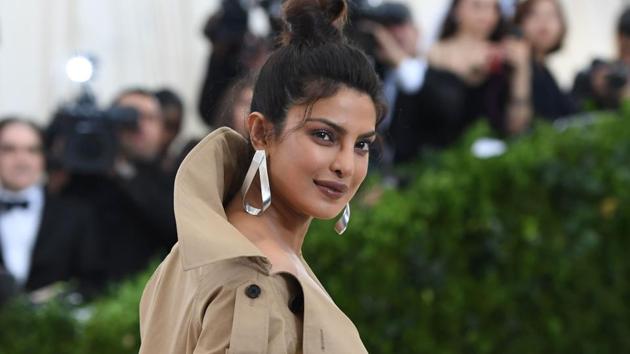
(526, 8)
(313, 62)
(450, 26)
(133, 91)
(623, 25)
(6, 121)
(168, 98)
(226, 104)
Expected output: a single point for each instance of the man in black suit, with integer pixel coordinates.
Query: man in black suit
(43, 239)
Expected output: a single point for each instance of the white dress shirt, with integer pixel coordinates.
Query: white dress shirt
(18, 230)
(410, 74)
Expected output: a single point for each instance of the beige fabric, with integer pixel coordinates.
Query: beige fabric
(198, 300)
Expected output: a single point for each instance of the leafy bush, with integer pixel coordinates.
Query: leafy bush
(114, 323)
(47, 329)
(521, 253)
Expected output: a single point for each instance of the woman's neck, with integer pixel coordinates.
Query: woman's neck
(279, 229)
(466, 37)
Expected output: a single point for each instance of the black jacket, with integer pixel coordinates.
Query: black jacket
(66, 247)
(135, 217)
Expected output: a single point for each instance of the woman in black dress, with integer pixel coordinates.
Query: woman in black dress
(544, 27)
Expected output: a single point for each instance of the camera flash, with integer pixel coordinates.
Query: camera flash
(79, 69)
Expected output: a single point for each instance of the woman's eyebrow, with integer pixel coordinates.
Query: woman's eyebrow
(339, 129)
(330, 123)
(368, 135)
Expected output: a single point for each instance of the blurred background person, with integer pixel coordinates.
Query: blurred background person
(543, 26)
(131, 192)
(145, 142)
(147, 187)
(396, 42)
(604, 84)
(236, 104)
(173, 113)
(44, 239)
(475, 70)
(236, 51)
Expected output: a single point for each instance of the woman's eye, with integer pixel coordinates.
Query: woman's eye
(364, 145)
(323, 135)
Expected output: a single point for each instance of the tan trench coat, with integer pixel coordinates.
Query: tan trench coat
(215, 292)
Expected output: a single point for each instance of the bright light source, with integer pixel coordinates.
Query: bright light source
(375, 3)
(79, 69)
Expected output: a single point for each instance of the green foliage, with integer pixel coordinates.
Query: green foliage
(114, 323)
(106, 326)
(47, 329)
(521, 253)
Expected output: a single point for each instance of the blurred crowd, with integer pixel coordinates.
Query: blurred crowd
(88, 199)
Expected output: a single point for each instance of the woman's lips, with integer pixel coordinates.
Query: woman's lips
(333, 190)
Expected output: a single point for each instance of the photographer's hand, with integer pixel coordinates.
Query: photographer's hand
(599, 82)
(519, 109)
(388, 50)
(517, 52)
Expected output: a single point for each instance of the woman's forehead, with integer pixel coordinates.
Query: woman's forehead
(347, 108)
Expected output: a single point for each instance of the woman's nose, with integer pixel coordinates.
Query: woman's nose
(343, 166)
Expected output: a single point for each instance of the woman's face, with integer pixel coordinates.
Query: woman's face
(317, 164)
(542, 27)
(478, 18)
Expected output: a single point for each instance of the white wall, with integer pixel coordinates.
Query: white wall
(137, 42)
(158, 42)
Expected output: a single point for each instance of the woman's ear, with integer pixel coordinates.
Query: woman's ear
(260, 130)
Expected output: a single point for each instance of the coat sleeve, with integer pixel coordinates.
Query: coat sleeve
(236, 321)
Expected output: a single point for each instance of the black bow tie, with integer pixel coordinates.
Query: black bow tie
(6, 205)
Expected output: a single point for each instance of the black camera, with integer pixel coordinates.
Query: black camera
(83, 138)
(617, 76)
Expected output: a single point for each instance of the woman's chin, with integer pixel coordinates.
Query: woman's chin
(329, 214)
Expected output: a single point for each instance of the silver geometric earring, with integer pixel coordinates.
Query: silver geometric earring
(342, 223)
(259, 164)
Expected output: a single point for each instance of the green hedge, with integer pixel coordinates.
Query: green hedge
(522, 253)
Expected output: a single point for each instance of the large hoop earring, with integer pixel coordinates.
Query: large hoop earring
(342, 223)
(259, 164)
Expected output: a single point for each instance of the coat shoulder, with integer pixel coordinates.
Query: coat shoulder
(212, 306)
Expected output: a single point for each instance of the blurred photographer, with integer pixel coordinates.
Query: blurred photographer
(142, 143)
(604, 84)
(131, 191)
(236, 51)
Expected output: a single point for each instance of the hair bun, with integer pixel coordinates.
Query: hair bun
(313, 21)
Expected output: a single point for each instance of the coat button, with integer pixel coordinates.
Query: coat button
(253, 291)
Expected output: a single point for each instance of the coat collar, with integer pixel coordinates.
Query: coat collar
(207, 177)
